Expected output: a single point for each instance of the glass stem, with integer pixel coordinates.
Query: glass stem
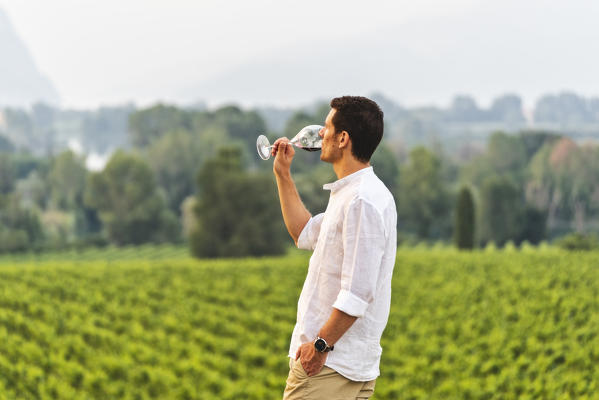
(292, 143)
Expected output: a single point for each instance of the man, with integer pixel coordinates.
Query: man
(344, 305)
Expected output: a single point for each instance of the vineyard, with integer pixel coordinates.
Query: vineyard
(136, 324)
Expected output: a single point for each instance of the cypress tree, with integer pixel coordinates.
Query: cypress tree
(464, 222)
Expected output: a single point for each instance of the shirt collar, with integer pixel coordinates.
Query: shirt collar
(341, 183)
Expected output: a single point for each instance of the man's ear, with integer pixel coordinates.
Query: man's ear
(344, 139)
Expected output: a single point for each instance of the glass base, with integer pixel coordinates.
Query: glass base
(263, 147)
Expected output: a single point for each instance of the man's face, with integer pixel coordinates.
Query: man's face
(330, 149)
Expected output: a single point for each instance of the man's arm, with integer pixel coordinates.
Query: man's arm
(337, 324)
(295, 214)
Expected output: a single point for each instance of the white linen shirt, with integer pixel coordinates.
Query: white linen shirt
(354, 243)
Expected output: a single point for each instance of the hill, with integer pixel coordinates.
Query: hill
(21, 82)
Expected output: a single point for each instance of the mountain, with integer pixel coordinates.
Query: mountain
(21, 83)
(492, 49)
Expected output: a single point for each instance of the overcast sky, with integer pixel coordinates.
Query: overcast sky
(112, 52)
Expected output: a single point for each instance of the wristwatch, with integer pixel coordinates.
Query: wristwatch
(322, 346)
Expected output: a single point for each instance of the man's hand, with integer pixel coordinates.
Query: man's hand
(283, 152)
(312, 360)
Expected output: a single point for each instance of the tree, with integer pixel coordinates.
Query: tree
(7, 174)
(237, 212)
(20, 228)
(506, 156)
(130, 206)
(568, 172)
(534, 225)
(146, 126)
(239, 124)
(385, 166)
(535, 140)
(584, 175)
(502, 210)
(542, 190)
(309, 185)
(175, 160)
(423, 200)
(67, 181)
(464, 220)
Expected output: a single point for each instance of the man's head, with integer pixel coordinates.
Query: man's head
(357, 118)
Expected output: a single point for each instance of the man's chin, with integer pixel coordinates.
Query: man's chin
(328, 159)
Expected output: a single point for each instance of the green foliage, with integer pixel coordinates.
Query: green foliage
(578, 241)
(564, 180)
(146, 126)
(535, 140)
(533, 226)
(555, 176)
(309, 185)
(506, 156)
(506, 216)
(239, 124)
(237, 212)
(385, 166)
(20, 228)
(7, 174)
(464, 220)
(67, 180)
(174, 160)
(423, 200)
(104, 253)
(502, 210)
(496, 325)
(24, 164)
(130, 207)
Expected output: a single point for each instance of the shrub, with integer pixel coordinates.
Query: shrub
(578, 241)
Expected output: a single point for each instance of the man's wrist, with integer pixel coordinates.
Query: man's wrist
(284, 175)
(322, 346)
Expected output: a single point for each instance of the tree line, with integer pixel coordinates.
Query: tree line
(192, 175)
(462, 126)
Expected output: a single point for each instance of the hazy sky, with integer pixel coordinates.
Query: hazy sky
(111, 52)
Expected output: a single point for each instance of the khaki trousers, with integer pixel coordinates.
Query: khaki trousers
(328, 384)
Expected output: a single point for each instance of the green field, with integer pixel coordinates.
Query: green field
(137, 324)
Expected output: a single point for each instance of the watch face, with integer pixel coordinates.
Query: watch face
(320, 345)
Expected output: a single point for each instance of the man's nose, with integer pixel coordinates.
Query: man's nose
(321, 132)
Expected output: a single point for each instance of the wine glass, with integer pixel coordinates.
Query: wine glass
(306, 139)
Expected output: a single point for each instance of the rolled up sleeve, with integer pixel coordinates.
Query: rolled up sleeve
(363, 249)
(309, 235)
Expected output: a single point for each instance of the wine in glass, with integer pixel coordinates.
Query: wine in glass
(306, 139)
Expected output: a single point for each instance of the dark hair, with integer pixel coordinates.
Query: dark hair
(362, 119)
